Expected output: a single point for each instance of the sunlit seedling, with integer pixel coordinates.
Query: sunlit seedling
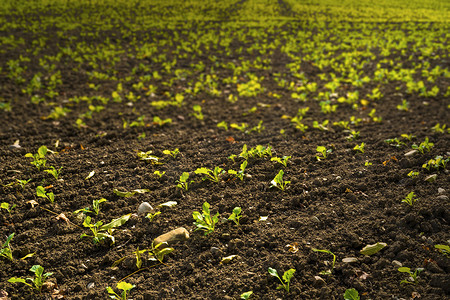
(278, 181)
(124, 286)
(285, 280)
(37, 282)
(5, 251)
(183, 182)
(329, 271)
(410, 199)
(204, 220)
(235, 215)
(41, 192)
(413, 276)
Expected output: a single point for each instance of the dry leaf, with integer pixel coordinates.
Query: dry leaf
(32, 203)
(3, 295)
(230, 139)
(293, 248)
(415, 295)
(62, 216)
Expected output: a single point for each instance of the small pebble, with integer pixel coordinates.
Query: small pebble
(144, 208)
(411, 153)
(90, 285)
(442, 197)
(431, 178)
(441, 191)
(396, 263)
(179, 234)
(350, 260)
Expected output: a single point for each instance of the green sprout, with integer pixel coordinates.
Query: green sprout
(287, 276)
(436, 163)
(172, 153)
(359, 148)
(239, 174)
(212, 175)
(404, 106)
(22, 183)
(124, 286)
(425, 145)
(223, 125)
(324, 151)
(351, 294)
(102, 232)
(95, 207)
(204, 221)
(39, 159)
(159, 174)
(235, 215)
(278, 181)
(413, 174)
(197, 112)
(412, 279)
(410, 199)
(330, 271)
(40, 192)
(246, 295)
(37, 281)
(55, 173)
(440, 129)
(5, 251)
(183, 182)
(7, 207)
(283, 160)
(444, 249)
(158, 121)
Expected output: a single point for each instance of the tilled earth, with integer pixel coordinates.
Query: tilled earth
(338, 204)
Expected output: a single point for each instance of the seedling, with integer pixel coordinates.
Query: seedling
(204, 221)
(444, 249)
(37, 281)
(425, 145)
(156, 254)
(40, 192)
(395, 142)
(55, 173)
(124, 286)
(95, 207)
(404, 106)
(183, 183)
(39, 159)
(158, 121)
(321, 126)
(324, 151)
(243, 127)
(239, 174)
(354, 135)
(278, 181)
(359, 148)
(410, 199)
(282, 160)
(440, 129)
(5, 251)
(223, 125)
(259, 150)
(287, 276)
(7, 207)
(351, 294)
(147, 156)
(129, 194)
(102, 232)
(330, 271)
(409, 137)
(22, 183)
(151, 216)
(235, 215)
(212, 175)
(436, 163)
(159, 174)
(172, 153)
(246, 295)
(412, 279)
(197, 112)
(413, 174)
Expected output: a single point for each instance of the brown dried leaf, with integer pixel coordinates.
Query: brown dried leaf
(293, 248)
(32, 203)
(4, 295)
(62, 216)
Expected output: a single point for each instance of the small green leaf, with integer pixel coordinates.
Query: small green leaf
(40, 192)
(246, 295)
(288, 275)
(372, 249)
(227, 259)
(404, 270)
(351, 294)
(15, 279)
(115, 223)
(92, 173)
(273, 272)
(124, 286)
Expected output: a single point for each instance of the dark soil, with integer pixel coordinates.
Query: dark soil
(338, 204)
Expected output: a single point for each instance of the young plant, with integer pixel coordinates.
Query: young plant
(425, 145)
(330, 271)
(351, 294)
(152, 216)
(444, 249)
(246, 295)
(7, 207)
(40, 192)
(239, 174)
(172, 153)
(324, 151)
(412, 279)
(287, 276)
(158, 121)
(124, 286)
(95, 207)
(354, 135)
(282, 160)
(359, 148)
(159, 174)
(212, 175)
(223, 125)
(413, 174)
(55, 173)
(235, 215)
(436, 163)
(278, 181)
(22, 183)
(102, 232)
(410, 199)
(404, 106)
(5, 251)
(440, 129)
(204, 221)
(39, 159)
(37, 281)
(183, 183)
(197, 112)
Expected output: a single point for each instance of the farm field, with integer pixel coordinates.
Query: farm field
(307, 138)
